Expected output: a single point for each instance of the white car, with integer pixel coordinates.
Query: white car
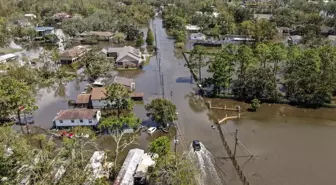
(151, 130)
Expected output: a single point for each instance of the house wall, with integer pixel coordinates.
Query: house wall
(128, 61)
(77, 122)
(112, 54)
(99, 104)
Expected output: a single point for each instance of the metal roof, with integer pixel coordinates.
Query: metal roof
(7, 56)
(44, 28)
(72, 114)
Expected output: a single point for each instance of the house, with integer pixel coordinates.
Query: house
(99, 101)
(43, 31)
(134, 168)
(8, 57)
(83, 100)
(127, 82)
(98, 98)
(192, 28)
(99, 35)
(77, 117)
(197, 36)
(73, 54)
(294, 39)
(263, 16)
(125, 57)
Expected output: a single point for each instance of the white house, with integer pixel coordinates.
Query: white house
(197, 36)
(77, 117)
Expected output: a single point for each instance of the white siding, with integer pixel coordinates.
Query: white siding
(76, 122)
(97, 104)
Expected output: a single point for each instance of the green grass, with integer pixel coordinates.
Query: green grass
(8, 50)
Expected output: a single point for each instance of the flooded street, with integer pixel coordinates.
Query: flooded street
(291, 146)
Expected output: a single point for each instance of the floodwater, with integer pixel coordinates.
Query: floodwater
(290, 146)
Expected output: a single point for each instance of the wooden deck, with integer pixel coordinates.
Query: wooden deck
(137, 96)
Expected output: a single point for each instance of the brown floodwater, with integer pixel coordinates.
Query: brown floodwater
(290, 146)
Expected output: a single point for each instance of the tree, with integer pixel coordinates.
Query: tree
(247, 28)
(131, 31)
(255, 104)
(150, 37)
(242, 14)
(221, 67)
(119, 97)
(245, 60)
(196, 60)
(307, 88)
(278, 55)
(96, 64)
(260, 84)
(162, 111)
(169, 168)
(263, 54)
(160, 146)
(115, 126)
(15, 94)
(140, 41)
(119, 37)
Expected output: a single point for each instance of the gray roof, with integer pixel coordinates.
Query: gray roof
(263, 16)
(127, 50)
(123, 80)
(197, 35)
(295, 37)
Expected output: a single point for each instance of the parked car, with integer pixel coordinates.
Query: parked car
(66, 134)
(151, 130)
(196, 145)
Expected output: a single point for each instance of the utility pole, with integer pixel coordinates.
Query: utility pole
(236, 142)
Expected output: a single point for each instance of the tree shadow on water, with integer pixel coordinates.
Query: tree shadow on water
(196, 103)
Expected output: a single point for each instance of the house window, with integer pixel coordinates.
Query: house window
(90, 120)
(72, 121)
(61, 121)
(120, 63)
(81, 120)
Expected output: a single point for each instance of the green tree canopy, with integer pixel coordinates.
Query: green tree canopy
(160, 146)
(150, 37)
(162, 111)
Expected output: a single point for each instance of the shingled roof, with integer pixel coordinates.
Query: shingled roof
(98, 93)
(73, 114)
(83, 98)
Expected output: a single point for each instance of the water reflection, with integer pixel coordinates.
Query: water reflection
(196, 103)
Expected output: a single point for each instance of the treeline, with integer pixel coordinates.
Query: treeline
(88, 15)
(271, 73)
